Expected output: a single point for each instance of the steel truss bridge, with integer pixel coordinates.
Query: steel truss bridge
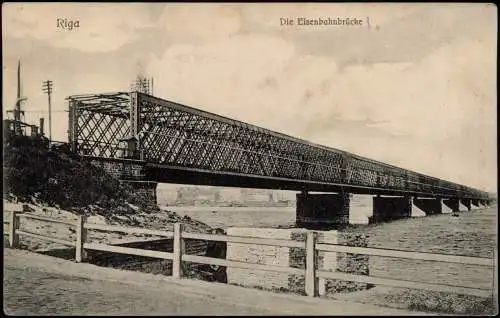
(181, 144)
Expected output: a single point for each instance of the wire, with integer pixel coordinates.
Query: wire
(45, 111)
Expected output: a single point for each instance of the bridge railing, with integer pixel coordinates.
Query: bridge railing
(311, 271)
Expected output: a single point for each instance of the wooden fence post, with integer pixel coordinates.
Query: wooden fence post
(81, 237)
(13, 226)
(495, 278)
(310, 264)
(178, 250)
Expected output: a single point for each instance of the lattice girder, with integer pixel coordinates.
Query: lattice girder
(171, 134)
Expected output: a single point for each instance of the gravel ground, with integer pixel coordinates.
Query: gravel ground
(40, 293)
(37, 284)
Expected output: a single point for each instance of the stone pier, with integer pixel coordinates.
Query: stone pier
(429, 206)
(322, 211)
(333, 211)
(466, 203)
(360, 209)
(132, 173)
(391, 208)
(445, 209)
(453, 204)
(457, 205)
(475, 204)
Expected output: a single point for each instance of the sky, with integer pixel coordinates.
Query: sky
(414, 86)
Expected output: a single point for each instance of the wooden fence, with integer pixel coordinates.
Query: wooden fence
(311, 272)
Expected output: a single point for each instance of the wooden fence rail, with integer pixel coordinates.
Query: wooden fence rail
(43, 218)
(128, 250)
(407, 284)
(310, 272)
(243, 240)
(423, 256)
(128, 230)
(45, 238)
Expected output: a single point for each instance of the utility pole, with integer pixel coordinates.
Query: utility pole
(47, 88)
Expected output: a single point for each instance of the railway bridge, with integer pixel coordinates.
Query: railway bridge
(143, 140)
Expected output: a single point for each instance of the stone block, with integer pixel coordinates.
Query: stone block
(295, 258)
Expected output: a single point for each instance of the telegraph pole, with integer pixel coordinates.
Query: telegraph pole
(47, 88)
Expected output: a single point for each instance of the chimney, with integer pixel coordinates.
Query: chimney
(34, 131)
(41, 126)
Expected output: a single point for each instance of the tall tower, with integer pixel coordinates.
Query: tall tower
(142, 85)
(18, 112)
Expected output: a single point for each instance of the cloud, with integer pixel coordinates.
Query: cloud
(395, 33)
(443, 107)
(223, 74)
(186, 23)
(427, 107)
(419, 92)
(102, 27)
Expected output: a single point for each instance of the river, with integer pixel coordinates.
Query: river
(471, 234)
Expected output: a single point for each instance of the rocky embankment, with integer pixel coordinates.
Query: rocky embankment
(56, 183)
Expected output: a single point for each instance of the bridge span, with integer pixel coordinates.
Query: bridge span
(146, 138)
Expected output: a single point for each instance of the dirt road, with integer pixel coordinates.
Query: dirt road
(44, 285)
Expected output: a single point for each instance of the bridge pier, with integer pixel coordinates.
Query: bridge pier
(457, 205)
(466, 203)
(129, 172)
(453, 204)
(360, 209)
(391, 208)
(429, 206)
(475, 204)
(445, 207)
(322, 211)
(331, 211)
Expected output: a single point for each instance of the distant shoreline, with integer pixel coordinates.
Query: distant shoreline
(223, 208)
(229, 205)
